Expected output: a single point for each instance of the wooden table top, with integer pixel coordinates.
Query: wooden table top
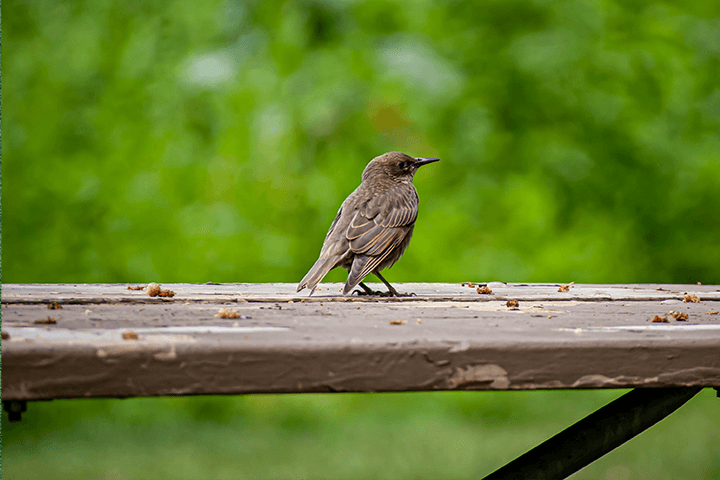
(108, 341)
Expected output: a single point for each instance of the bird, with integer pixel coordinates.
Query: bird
(374, 225)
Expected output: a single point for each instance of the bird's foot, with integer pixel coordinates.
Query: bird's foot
(397, 294)
(369, 292)
(378, 293)
(390, 293)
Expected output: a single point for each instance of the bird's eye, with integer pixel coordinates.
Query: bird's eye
(402, 164)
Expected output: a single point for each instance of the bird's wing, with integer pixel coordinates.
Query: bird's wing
(378, 227)
(383, 221)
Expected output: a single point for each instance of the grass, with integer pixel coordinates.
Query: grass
(338, 436)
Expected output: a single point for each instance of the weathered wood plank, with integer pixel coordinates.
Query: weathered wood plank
(283, 292)
(447, 337)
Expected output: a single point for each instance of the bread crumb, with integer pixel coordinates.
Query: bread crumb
(659, 319)
(398, 322)
(712, 313)
(138, 287)
(54, 306)
(46, 321)
(467, 284)
(513, 304)
(679, 316)
(227, 313)
(484, 289)
(130, 336)
(419, 321)
(154, 290)
(549, 316)
(566, 287)
(691, 298)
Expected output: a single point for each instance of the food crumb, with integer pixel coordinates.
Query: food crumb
(549, 316)
(138, 287)
(46, 321)
(130, 336)
(398, 322)
(484, 289)
(513, 304)
(5, 336)
(154, 290)
(691, 298)
(679, 316)
(712, 313)
(467, 284)
(227, 313)
(54, 306)
(659, 319)
(566, 287)
(419, 320)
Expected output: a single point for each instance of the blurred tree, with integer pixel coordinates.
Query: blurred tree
(195, 141)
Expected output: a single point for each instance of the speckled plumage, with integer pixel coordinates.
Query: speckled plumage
(374, 225)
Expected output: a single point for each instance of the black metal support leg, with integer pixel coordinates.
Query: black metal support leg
(597, 434)
(15, 409)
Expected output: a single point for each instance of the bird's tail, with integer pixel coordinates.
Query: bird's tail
(317, 273)
(357, 272)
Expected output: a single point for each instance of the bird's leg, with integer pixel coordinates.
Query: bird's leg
(390, 293)
(391, 289)
(368, 290)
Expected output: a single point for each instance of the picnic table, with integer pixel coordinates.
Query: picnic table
(106, 340)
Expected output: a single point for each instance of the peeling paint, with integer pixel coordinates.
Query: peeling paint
(495, 375)
(460, 347)
(169, 355)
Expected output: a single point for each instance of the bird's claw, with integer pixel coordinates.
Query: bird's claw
(373, 292)
(383, 294)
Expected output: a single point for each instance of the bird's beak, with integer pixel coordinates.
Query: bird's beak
(419, 162)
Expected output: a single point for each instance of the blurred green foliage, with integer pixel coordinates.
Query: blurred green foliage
(195, 141)
(441, 435)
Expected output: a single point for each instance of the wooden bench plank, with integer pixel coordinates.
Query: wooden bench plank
(447, 337)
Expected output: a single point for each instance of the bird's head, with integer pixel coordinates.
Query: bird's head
(395, 165)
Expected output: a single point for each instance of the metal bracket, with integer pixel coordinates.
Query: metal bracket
(595, 435)
(15, 409)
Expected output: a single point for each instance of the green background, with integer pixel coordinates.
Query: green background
(214, 141)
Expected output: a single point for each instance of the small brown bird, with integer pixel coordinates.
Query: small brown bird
(373, 227)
